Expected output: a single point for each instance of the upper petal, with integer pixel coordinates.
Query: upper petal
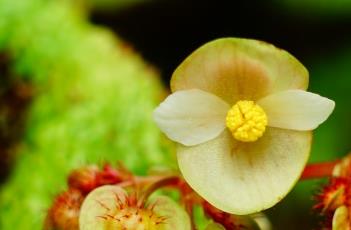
(296, 109)
(236, 69)
(191, 117)
(244, 178)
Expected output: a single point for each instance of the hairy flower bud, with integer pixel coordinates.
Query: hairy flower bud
(90, 177)
(64, 213)
(84, 178)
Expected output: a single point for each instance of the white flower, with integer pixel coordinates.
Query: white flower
(243, 121)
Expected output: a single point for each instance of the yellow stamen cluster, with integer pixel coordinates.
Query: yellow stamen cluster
(133, 218)
(128, 214)
(247, 121)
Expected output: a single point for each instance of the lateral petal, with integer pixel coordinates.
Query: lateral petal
(296, 109)
(191, 117)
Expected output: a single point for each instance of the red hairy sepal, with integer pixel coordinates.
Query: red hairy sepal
(64, 213)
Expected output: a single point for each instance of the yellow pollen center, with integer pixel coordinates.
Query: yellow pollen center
(247, 121)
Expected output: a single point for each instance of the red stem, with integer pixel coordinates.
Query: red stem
(166, 181)
(225, 219)
(318, 170)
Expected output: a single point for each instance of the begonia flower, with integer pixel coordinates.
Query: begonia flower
(243, 119)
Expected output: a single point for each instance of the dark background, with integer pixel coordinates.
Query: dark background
(166, 31)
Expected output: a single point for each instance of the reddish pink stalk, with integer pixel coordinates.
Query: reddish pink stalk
(318, 170)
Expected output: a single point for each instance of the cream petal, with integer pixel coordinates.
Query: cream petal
(296, 109)
(244, 178)
(191, 117)
(240, 69)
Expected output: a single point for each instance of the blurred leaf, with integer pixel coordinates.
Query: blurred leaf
(93, 103)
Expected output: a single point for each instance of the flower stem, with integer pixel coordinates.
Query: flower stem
(318, 170)
(163, 182)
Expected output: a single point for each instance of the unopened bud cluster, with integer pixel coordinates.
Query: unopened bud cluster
(64, 212)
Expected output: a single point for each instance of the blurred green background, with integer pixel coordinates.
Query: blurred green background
(79, 81)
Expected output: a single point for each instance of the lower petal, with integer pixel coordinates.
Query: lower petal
(244, 178)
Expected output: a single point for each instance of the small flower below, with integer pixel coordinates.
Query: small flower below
(115, 198)
(110, 207)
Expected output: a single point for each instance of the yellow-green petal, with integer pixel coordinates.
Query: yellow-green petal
(176, 218)
(240, 69)
(341, 219)
(244, 178)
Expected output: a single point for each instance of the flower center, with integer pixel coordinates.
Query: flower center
(134, 218)
(247, 121)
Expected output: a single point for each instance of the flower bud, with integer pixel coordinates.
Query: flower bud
(84, 178)
(64, 213)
